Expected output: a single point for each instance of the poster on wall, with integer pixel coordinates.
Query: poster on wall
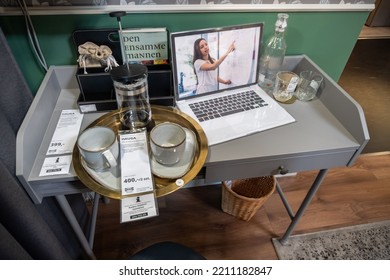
(102, 6)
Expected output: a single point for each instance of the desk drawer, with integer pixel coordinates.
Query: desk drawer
(266, 167)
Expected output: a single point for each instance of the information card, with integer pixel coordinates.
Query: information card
(138, 207)
(136, 174)
(56, 165)
(65, 135)
(136, 178)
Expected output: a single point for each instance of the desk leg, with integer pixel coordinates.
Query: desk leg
(92, 225)
(312, 191)
(64, 204)
(285, 201)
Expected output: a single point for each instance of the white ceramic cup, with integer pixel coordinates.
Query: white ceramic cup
(167, 143)
(99, 148)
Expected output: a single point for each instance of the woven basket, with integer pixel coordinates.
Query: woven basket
(242, 198)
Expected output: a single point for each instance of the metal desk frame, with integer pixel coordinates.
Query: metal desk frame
(329, 131)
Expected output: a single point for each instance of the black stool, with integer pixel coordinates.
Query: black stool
(167, 250)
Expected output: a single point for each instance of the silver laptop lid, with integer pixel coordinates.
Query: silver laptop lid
(238, 67)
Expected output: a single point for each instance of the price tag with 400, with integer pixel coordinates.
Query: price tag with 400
(135, 154)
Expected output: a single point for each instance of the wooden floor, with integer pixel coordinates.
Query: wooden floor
(193, 216)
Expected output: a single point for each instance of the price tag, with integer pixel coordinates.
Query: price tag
(136, 175)
(138, 207)
(292, 84)
(88, 108)
(56, 165)
(261, 78)
(314, 84)
(65, 135)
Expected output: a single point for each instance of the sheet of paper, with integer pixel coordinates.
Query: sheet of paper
(56, 165)
(65, 135)
(136, 174)
(138, 207)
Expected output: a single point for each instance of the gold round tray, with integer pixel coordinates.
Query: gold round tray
(163, 186)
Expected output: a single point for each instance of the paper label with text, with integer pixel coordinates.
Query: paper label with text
(66, 133)
(56, 165)
(136, 174)
(138, 207)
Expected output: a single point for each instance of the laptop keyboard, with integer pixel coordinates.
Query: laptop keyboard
(227, 105)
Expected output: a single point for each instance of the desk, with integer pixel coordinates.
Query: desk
(329, 131)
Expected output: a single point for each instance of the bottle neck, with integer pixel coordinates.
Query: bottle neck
(279, 33)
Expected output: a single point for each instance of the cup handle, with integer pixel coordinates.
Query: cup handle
(111, 161)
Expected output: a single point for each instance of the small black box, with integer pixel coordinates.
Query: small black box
(96, 91)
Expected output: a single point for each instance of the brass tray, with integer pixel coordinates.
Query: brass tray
(163, 186)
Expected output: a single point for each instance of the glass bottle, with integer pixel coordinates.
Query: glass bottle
(272, 57)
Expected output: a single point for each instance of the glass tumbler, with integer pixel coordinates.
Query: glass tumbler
(308, 85)
(285, 85)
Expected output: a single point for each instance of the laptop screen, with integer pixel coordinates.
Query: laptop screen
(211, 60)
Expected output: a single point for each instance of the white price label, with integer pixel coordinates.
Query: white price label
(56, 165)
(292, 84)
(136, 175)
(65, 135)
(261, 78)
(314, 84)
(138, 207)
(88, 108)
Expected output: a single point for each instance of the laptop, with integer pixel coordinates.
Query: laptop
(214, 97)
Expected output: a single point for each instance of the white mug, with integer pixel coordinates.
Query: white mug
(167, 143)
(99, 148)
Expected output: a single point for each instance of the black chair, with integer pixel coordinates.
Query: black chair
(28, 230)
(167, 250)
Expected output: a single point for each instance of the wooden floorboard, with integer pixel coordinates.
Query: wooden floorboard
(377, 32)
(348, 196)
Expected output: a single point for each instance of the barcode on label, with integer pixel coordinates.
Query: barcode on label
(138, 216)
(53, 170)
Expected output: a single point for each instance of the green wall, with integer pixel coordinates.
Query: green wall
(326, 37)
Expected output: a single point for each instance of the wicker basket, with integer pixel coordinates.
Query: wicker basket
(242, 198)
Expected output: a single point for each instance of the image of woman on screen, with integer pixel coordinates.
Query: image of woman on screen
(206, 67)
